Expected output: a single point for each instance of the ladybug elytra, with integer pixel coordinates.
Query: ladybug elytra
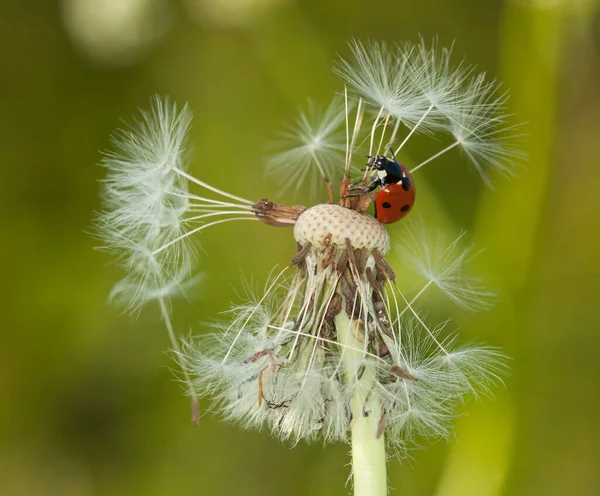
(395, 201)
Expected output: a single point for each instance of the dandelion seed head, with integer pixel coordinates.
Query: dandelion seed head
(143, 203)
(475, 369)
(443, 375)
(332, 339)
(441, 81)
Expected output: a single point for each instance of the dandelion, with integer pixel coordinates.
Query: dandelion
(334, 349)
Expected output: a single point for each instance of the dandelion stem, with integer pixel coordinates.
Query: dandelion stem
(368, 446)
(414, 128)
(433, 157)
(195, 407)
(325, 340)
(323, 175)
(374, 129)
(198, 229)
(208, 186)
(415, 298)
(197, 218)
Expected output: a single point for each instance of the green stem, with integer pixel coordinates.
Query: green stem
(368, 449)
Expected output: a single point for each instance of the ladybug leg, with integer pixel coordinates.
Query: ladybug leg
(374, 184)
(352, 195)
(363, 190)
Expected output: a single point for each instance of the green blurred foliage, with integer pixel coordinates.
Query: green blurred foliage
(91, 406)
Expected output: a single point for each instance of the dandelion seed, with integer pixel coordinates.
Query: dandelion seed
(442, 263)
(334, 349)
(419, 88)
(310, 149)
(481, 130)
(384, 78)
(148, 213)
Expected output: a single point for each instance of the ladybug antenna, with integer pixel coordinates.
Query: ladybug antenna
(390, 150)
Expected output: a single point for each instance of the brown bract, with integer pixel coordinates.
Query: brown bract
(276, 214)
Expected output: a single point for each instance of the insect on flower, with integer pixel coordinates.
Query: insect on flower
(334, 349)
(397, 194)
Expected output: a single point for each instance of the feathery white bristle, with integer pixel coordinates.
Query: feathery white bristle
(481, 129)
(311, 149)
(419, 89)
(148, 215)
(384, 77)
(266, 369)
(442, 263)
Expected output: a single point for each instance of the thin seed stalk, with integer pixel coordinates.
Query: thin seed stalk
(368, 449)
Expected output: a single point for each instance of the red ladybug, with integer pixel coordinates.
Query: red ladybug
(397, 194)
(395, 201)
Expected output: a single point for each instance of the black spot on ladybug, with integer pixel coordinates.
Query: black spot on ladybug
(386, 205)
(406, 184)
(404, 208)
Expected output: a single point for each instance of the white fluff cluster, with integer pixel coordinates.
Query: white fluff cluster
(406, 89)
(310, 150)
(144, 202)
(443, 263)
(281, 362)
(148, 214)
(420, 88)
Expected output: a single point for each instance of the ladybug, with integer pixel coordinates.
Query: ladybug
(397, 195)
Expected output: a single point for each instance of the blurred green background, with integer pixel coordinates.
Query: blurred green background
(89, 405)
